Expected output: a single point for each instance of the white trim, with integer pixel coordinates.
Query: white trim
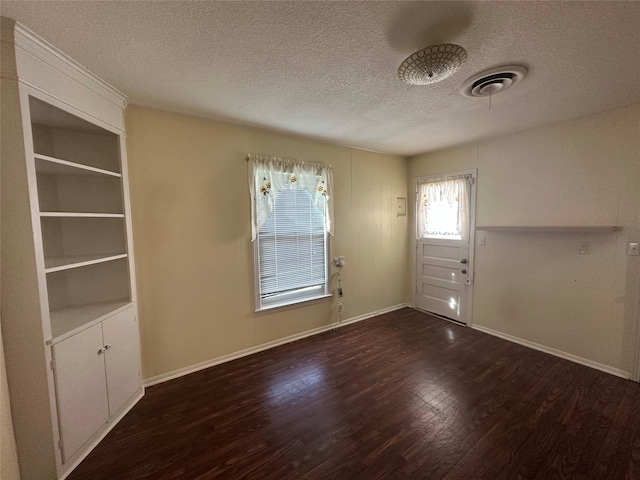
(87, 448)
(553, 351)
(47, 53)
(79, 111)
(164, 377)
(298, 302)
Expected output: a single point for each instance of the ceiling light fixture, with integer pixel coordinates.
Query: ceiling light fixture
(432, 64)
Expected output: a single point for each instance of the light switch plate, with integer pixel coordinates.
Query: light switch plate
(583, 247)
(633, 248)
(401, 206)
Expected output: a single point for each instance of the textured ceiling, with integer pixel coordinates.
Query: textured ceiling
(328, 69)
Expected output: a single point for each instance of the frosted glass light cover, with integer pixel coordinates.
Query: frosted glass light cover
(432, 64)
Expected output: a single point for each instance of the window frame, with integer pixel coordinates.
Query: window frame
(297, 298)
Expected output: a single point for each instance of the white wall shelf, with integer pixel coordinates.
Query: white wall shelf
(81, 215)
(551, 228)
(56, 166)
(68, 321)
(57, 264)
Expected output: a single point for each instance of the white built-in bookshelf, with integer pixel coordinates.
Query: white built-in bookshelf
(69, 311)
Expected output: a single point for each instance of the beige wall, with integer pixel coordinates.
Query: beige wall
(9, 469)
(536, 286)
(8, 455)
(194, 258)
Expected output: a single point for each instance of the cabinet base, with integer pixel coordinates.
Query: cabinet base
(64, 470)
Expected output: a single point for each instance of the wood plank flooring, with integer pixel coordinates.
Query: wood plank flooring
(402, 395)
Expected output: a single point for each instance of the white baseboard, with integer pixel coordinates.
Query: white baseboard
(164, 377)
(558, 353)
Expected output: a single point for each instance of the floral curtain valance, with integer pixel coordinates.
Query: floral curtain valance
(443, 208)
(269, 175)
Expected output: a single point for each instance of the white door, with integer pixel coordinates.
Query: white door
(81, 388)
(122, 358)
(444, 253)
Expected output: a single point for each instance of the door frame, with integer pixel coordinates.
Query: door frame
(635, 368)
(472, 233)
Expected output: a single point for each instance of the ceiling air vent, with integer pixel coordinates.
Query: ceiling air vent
(491, 82)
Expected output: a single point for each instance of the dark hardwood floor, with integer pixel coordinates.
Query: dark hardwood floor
(403, 395)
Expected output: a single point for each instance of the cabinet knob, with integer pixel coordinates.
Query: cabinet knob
(101, 351)
(107, 346)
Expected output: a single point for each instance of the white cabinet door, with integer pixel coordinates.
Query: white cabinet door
(80, 388)
(122, 358)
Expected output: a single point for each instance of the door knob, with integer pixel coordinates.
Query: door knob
(464, 260)
(464, 270)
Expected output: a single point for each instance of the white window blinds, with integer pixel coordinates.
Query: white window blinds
(292, 245)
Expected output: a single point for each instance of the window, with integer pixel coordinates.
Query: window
(444, 208)
(291, 219)
(292, 249)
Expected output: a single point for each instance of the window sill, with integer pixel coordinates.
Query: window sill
(297, 303)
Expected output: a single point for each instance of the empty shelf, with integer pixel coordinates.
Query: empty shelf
(82, 214)
(55, 166)
(70, 320)
(58, 264)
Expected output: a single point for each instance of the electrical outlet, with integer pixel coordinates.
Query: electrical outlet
(633, 248)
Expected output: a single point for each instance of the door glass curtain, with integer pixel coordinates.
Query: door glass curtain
(443, 208)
